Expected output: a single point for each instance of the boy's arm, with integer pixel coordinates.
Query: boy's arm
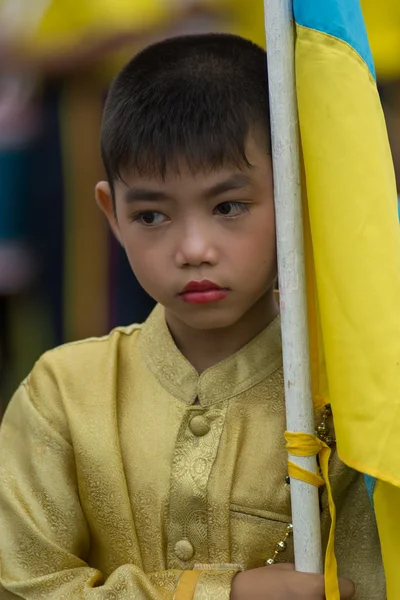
(44, 535)
(357, 544)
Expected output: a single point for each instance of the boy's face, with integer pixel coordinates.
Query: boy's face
(216, 227)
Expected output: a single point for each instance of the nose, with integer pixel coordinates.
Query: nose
(196, 246)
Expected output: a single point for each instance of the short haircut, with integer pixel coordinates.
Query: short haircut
(193, 98)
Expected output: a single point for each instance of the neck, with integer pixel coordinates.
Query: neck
(205, 348)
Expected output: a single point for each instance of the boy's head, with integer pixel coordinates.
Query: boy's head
(186, 147)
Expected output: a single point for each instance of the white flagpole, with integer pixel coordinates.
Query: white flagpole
(286, 158)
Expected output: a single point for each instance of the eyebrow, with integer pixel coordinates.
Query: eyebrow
(234, 182)
(136, 194)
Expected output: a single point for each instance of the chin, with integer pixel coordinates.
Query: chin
(210, 320)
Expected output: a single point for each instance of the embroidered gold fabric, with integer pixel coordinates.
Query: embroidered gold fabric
(102, 477)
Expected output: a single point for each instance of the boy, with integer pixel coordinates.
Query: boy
(150, 464)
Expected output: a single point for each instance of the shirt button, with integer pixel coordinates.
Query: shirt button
(199, 426)
(184, 550)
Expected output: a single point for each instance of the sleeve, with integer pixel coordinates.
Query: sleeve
(44, 537)
(357, 545)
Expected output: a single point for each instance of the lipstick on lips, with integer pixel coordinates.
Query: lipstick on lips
(200, 292)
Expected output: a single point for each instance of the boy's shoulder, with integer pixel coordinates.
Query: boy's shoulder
(82, 354)
(85, 364)
(71, 378)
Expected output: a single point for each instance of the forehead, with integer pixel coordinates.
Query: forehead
(183, 179)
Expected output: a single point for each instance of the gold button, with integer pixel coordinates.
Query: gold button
(199, 426)
(184, 550)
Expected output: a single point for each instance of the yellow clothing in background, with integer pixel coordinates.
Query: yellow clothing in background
(244, 18)
(383, 26)
(58, 27)
(115, 482)
(60, 24)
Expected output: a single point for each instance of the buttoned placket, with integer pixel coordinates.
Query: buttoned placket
(195, 452)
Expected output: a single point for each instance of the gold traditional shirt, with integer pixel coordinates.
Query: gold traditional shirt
(121, 469)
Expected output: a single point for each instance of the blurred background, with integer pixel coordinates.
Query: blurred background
(62, 276)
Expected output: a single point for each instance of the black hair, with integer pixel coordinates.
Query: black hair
(194, 97)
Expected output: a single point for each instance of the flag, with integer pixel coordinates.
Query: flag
(352, 240)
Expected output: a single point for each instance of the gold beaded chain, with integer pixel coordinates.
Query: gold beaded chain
(324, 434)
(323, 430)
(280, 546)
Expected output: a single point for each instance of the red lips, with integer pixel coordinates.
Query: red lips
(200, 286)
(201, 292)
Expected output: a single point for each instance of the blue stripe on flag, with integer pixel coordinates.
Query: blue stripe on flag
(370, 482)
(340, 18)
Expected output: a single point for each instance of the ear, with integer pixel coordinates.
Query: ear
(105, 203)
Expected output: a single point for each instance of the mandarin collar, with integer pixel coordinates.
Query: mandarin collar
(234, 375)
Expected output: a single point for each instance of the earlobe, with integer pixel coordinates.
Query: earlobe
(106, 204)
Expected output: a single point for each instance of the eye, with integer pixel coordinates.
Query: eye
(231, 209)
(149, 218)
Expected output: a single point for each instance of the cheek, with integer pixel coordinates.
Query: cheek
(143, 257)
(259, 242)
(256, 255)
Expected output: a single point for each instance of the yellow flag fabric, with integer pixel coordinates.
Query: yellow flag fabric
(352, 242)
